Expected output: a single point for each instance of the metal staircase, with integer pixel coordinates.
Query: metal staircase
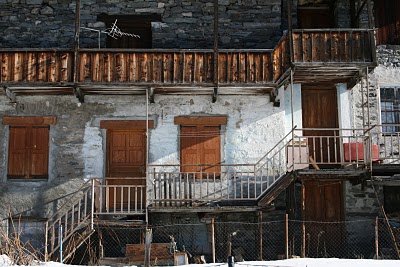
(71, 224)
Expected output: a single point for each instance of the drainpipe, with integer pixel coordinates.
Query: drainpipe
(147, 149)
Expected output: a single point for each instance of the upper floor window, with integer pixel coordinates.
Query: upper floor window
(130, 24)
(28, 147)
(390, 109)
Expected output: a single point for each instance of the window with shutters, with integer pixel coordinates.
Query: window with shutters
(28, 147)
(200, 144)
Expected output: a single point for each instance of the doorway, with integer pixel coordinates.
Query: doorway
(126, 150)
(320, 121)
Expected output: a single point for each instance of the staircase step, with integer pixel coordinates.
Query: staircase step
(275, 189)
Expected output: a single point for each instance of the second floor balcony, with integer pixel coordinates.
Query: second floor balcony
(315, 56)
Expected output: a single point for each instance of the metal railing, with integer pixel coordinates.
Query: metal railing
(385, 141)
(329, 146)
(76, 213)
(117, 197)
(205, 183)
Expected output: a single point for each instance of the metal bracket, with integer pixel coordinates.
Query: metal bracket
(151, 95)
(215, 94)
(11, 95)
(78, 93)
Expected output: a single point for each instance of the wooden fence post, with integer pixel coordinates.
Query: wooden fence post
(287, 236)
(376, 238)
(147, 253)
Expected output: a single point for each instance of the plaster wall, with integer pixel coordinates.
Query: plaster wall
(77, 148)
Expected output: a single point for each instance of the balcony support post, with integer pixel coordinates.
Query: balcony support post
(289, 3)
(216, 52)
(371, 26)
(147, 148)
(76, 39)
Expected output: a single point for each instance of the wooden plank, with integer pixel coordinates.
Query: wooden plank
(242, 67)
(125, 124)
(234, 67)
(120, 67)
(199, 68)
(168, 67)
(159, 251)
(30, 68)
(222, 59)
(17, 70)
(188, 68)
(157, 67)
(201, 120)
(178, 67)
(133, 68)
(42, 67)
(29, 120)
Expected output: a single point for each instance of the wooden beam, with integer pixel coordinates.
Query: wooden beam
(29, 120)
(125, 124)
(201, 120)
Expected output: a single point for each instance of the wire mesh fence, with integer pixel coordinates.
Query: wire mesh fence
(262, 241)
(214, 241)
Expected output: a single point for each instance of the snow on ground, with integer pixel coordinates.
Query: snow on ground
(5, 261)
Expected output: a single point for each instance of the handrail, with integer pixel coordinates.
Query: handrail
(69, 200)
(277, 144)
(72, 218)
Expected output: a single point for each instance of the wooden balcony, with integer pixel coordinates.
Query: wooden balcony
(326, 55)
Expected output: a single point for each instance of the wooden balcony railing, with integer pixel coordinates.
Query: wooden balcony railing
(332, 46)
(36, 65)
(187, 67)
(169, 67)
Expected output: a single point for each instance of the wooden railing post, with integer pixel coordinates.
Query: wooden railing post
(46, 242)
(92, 209)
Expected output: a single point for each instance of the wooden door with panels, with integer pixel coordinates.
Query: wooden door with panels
(126, 165)
(319, 111)
(323, 214)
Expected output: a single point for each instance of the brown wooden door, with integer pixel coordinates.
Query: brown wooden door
(200, 145)
(126, 165)
(323, 213)
(319, 107)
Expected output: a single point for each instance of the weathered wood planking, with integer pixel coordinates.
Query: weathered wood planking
(331, 46)
(185, 67)
(36, 66)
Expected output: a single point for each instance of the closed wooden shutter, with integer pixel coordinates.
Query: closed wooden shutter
(28, 152)
(18, 157)
(200, 145)
(39, 151)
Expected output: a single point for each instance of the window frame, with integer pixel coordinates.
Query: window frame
(388, 128)
(29, 123)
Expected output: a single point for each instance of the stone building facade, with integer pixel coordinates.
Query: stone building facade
(254, 122)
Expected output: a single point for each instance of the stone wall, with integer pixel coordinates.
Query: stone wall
(184, 24)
